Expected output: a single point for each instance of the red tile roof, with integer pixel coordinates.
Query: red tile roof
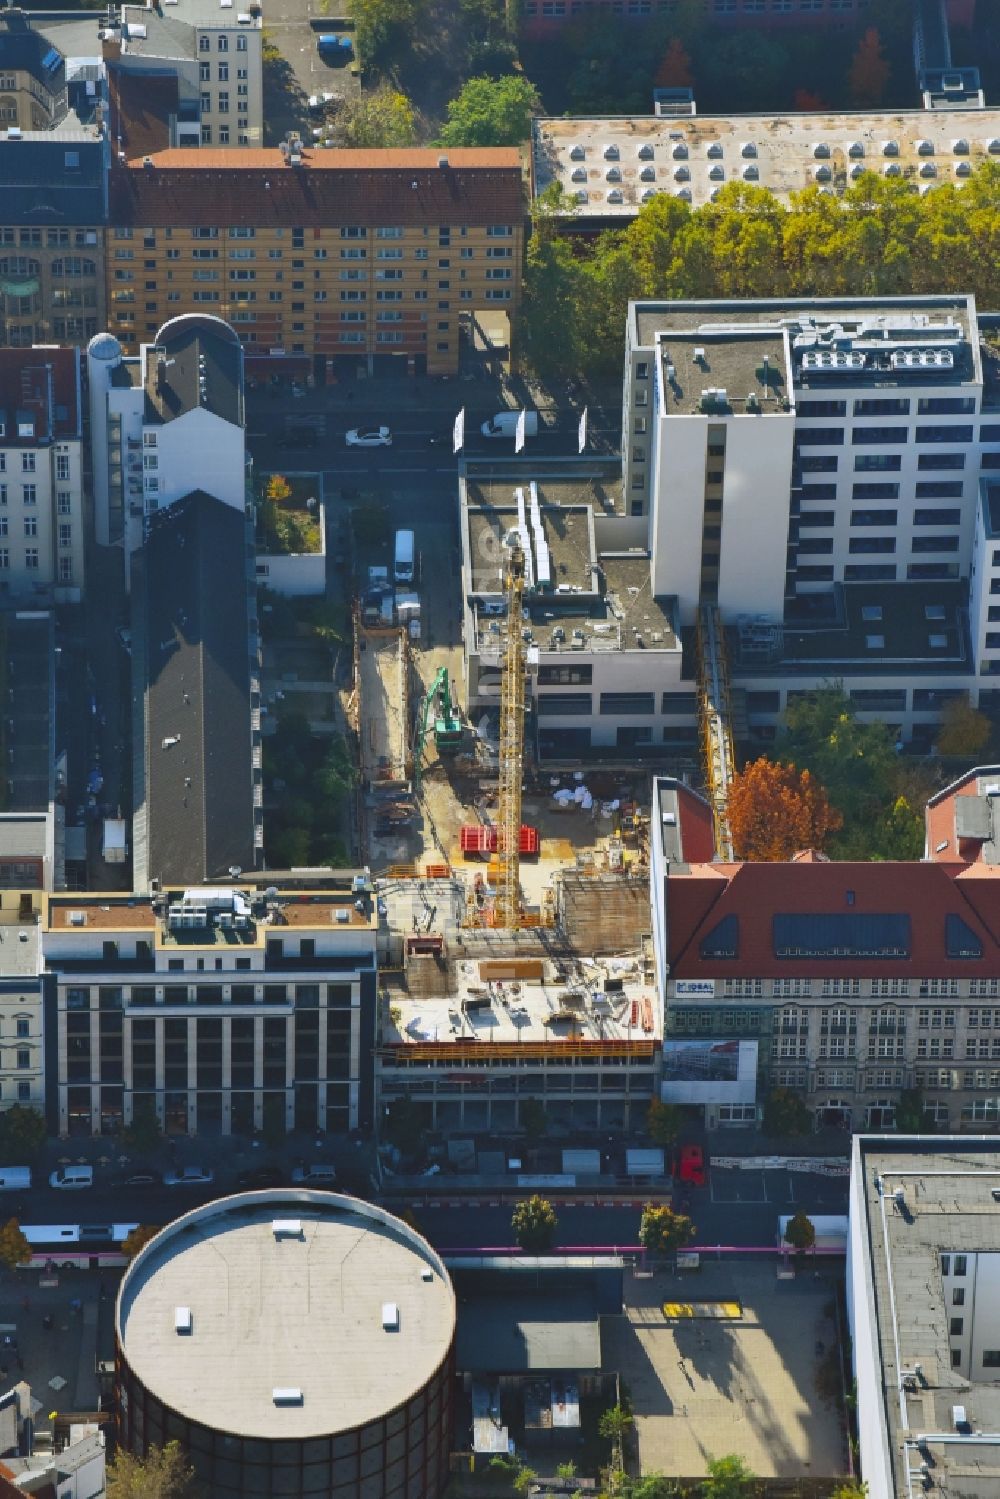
(258, 188)
(756, 893)
(45, 383)
(942, 842)
(140, 106)
(697, 826)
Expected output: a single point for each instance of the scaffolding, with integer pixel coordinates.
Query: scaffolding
(716, 717)
(507, 904)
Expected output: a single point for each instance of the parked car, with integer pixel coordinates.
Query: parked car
(691, 1165)
(72, 1178)
(369, 437)
(318, 104)
(189, 1176)
(138, 1180)
(333, 46)
(316, 1174)
(260, 1178)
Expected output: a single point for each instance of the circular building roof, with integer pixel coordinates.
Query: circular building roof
(104, 346)
(287, 1291)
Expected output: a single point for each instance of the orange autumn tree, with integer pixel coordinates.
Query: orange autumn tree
(675, 69)
(869, 71)
(776, 810)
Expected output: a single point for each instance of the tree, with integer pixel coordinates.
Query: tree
(14, 1247)
(776, 810)
(964, 730)
(785, 1113)
(383, 27)
(164, 1473)
(675, 69)
(138, 1239)
(615, 1422)
(144, 1134)
(534, 1120)
(22, 1134)
(856, 762)
(869, 71)
(663, 1122)
(377, 120)
(278, 489)
(662, 1231)
(492, 112)
(850, 1490)
(728, 1478)
(910, 1116)
(800, 1232)
(534, 1223)
(402, 1126)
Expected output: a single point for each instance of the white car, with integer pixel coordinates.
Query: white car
(316, 1174)
(72, 1178)
(189, 1176)
(369, 437)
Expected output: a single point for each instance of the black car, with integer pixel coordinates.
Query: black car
(260, 1178)
(144, 1178)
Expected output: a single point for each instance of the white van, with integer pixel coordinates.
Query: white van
(15, 1178)
(72, 1178)
(403, 563)
(504, 424)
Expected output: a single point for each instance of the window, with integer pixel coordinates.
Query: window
(956, 1326)
(821, 408)
(31, 525)
(872, 436)
(936, 517)
(943, 434)
(960, 1265)
(812, 546)
(816, 463)
(873, 517)
(29, 494)
(935, 544)
(816, 437)
(991, 1358)
(889, 463)
(27, 463)
(860, 544)
(940, 460)
(946, 406)
(958, 1296)
(882, 407)
(812, 492)
(628, 702)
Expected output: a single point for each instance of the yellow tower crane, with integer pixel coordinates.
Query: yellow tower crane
(507, 904)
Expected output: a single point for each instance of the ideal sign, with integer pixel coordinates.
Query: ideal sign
(695, 988)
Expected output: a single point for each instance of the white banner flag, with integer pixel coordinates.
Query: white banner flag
(519, 435)
(458, 432)
(581, 435)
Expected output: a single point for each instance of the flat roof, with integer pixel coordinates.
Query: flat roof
(597, 599)
(948, 1207)
(105, 912)
(719, 370)
(693, 156)
(872, 626)
(599, 999)
(21, 950)
(652, 318)
(517, 1331)
(291, 1311)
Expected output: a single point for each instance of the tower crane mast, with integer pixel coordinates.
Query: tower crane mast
(507, 904)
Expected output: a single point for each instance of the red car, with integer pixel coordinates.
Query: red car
(691, 1165)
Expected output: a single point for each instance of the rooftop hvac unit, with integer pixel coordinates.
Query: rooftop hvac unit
(390, 1316)
(714, 151)
(577, 153)
(286, 1395)
(645, 153)
(182, 1319)
(748, 149)
(679, 152)
(611, 153)
(287, 1228)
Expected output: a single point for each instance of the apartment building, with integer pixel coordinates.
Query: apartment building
(847, 982)
(923, 1275)
(41, 475)
(221, 1009)
(609, 168)
(165, 422)
(322, 260)
(32, 76)
(214, 57)
(822, 472)
(22, 1048)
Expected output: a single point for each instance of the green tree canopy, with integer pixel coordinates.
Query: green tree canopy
(785, 1113)
(384, 27)
(380, 119)
(910, 1116)
(728, 1478)
(662, 1231)
(164, 1473)
(613, 1423)
(14, 1247)
(144, 1134)
(800, 1231)
(22, 1134)
(492, 112)
(534, 1223)
(663, 1122)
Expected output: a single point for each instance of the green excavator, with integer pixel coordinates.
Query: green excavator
(439, 709)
